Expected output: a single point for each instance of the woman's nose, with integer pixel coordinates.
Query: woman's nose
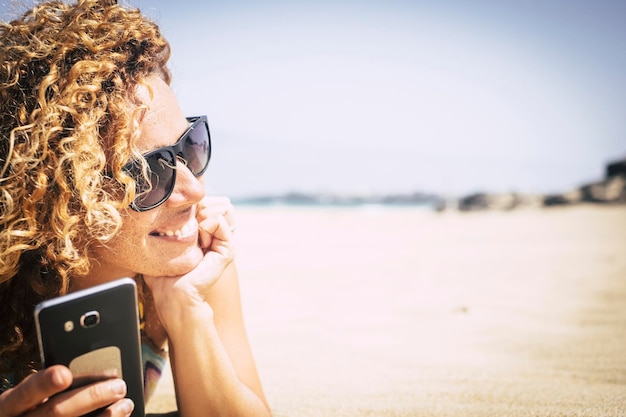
(188, 188)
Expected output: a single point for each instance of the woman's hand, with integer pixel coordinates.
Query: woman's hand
(43, 394)
(215, 206)
(216, 222)
(215, 216)
(212, 364)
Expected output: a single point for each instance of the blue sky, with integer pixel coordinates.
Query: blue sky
(398, 96)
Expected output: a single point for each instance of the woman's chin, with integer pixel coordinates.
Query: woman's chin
(180, 265)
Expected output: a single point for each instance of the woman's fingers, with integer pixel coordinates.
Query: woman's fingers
(34, 390)
(123, 407)
(216, 236)
(45, 393)
(77, 402)
(215, 206)
(215, 239)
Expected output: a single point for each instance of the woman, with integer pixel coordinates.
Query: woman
(100, 178)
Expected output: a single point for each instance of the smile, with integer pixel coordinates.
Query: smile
(186, 231)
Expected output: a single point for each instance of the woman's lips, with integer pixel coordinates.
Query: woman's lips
(187, 231)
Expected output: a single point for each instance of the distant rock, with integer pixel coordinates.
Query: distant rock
(610, 190)
(567, 198)
(499, 201)
(477, 201)
(616, 169)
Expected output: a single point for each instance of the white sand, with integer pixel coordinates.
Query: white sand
(404, 312)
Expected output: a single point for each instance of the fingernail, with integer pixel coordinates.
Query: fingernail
(59, 379)
(127, 406)
(118, 386)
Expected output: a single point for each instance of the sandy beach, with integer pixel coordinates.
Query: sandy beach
(380, 311)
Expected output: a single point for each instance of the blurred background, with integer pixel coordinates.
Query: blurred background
(396, 96)
(388, 310)
(362, 97)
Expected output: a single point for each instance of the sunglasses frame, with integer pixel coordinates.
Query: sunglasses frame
(176, 150)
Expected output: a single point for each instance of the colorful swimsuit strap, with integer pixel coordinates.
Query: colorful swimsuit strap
(154, 359)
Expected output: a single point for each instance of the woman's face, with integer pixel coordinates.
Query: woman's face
(162, 241)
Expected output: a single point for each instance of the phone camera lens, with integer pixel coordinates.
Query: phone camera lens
(90, 319)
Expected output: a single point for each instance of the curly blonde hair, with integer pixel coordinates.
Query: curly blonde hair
(68, 123)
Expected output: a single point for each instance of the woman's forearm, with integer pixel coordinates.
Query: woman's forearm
(205, 379)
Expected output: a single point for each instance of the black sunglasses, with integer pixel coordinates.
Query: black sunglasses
(193, 149)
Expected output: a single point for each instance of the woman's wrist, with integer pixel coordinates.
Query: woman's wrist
(179, 317)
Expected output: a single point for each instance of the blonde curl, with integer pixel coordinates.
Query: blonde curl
(68, 124)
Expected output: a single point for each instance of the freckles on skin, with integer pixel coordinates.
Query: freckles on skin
(164, 122)
(144, 246)
(169, 240)
(162, 241)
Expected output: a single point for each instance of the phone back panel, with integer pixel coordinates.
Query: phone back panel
(95, 332)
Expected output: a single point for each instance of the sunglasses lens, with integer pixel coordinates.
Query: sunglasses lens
(197, 149)
(161, 183)
(194, 147)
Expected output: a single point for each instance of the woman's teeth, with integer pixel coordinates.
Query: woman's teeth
(184, 231)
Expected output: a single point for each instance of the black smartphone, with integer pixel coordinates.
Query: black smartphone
(95, 332)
